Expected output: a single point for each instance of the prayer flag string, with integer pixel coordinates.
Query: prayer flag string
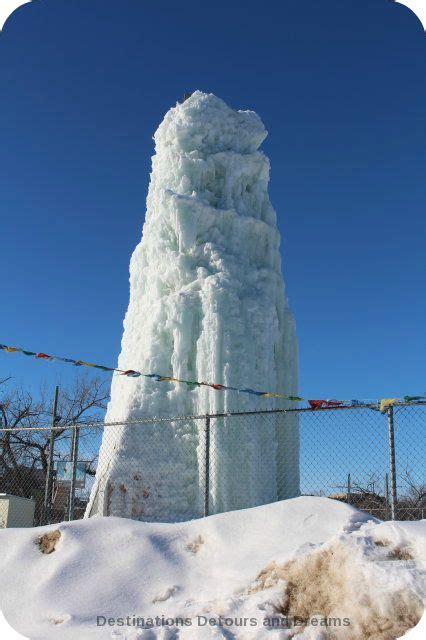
(384, 403)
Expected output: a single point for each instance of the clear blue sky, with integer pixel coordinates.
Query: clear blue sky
(340, 85)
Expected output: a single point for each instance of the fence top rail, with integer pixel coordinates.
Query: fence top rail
(374, 406)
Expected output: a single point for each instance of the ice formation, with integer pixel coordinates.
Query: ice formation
(207, 303)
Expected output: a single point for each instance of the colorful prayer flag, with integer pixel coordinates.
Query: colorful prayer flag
(413, 398)
(316, 404)
(252, 392)
(44, 356)
(387, 402)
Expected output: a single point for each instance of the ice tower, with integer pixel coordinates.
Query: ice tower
(207, 303)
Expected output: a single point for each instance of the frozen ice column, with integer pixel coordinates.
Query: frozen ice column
(207, 303)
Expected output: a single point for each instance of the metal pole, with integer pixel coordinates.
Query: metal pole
(387, 494)
(392, 466)
(74, 458)
(349, 489)
(47, 506)
(207, 467)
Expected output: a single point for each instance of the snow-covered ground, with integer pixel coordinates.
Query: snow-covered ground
(243, 574)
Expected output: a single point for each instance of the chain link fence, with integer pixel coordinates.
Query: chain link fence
(358, 455)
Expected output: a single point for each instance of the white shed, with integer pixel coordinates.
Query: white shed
(16, 511)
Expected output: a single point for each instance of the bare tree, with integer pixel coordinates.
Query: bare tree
(412, 504)
(24, 454)
(364, 494)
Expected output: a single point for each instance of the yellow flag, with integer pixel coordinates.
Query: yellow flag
(11, 349)
(387, 402)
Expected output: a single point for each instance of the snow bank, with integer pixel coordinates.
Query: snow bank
(207, 303)
(305, 560)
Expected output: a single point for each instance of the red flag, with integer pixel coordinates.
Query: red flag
(131, 374)
(317, 404)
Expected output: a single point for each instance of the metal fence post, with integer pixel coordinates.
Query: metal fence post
(349, 489)
(47, 505)
(207, 467)
(387, 495)
(74, 458)
(392, 466)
